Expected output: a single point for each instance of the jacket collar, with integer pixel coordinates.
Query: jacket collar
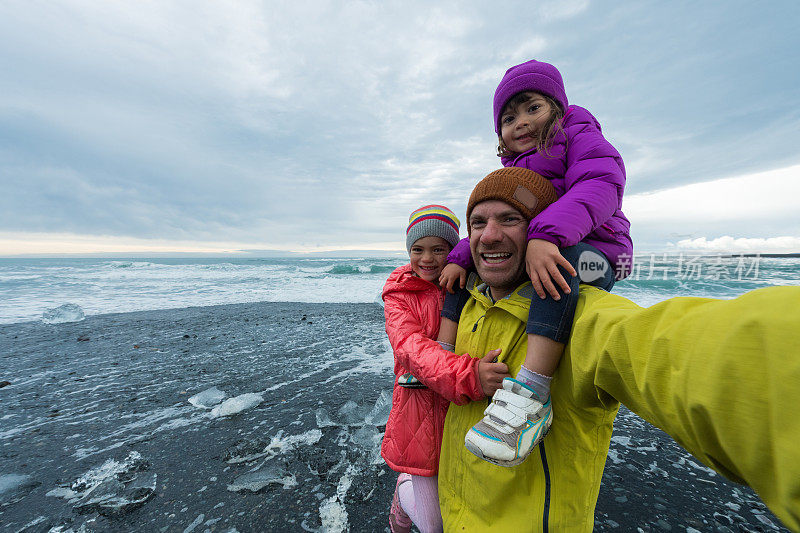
(518, 303)
(403, 279)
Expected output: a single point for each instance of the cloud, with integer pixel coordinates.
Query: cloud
(748, 209)
(772, 194)
(305, 125)
(785, 244)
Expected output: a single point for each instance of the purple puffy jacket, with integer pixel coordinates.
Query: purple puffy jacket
(589, 177)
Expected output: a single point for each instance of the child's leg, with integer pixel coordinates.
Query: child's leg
(421, 502)
(508, 443)
(447, 334)
(451, 312)
(550, 320)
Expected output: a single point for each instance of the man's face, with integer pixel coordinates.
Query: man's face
(498, 240)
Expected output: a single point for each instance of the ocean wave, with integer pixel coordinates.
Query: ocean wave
(130, 264)
(360, 269)
(19, 277)
(118, 286)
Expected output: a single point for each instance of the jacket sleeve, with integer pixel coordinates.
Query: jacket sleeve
(461, 255)
(594, 183)
(454, 377)
(721, 377)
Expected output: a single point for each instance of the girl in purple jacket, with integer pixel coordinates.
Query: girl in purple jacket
(583, 237)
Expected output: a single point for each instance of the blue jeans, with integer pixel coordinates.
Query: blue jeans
(553, 318)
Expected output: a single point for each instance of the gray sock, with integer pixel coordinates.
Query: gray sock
(539, 383)
(447, 346)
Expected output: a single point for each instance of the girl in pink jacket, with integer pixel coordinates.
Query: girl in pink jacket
(413, 302)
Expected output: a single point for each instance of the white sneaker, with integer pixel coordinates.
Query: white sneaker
(514, 423)
(408, 381)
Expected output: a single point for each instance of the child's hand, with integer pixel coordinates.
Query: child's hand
(542, 259)
(491, 373)
(450, 273)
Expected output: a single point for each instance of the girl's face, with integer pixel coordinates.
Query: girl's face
(518, 125)
(428, 256)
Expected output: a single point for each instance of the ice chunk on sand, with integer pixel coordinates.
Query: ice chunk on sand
(62, 314)
(255, 481)
(380, 411)
(281, 444)
(245, 451)
(10, 482)
(350, 414)
(237, 404)
(111, 489)
(117, 499)
(107, 473)
(368, 438)
(208, 398)
(323, 418)
(197, 521)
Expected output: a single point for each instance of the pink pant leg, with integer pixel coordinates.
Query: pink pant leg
(421, 502)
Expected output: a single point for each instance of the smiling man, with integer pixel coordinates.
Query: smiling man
(557, 486)
(721, 377)
(498, 234)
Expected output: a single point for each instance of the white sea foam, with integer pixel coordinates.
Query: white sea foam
(237, 404)
(333, 512)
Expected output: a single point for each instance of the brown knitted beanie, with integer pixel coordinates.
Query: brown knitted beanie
(523, 189)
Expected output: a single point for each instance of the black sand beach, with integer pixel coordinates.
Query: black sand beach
(97, 433)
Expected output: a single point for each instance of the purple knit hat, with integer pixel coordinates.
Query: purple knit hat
(529, 76)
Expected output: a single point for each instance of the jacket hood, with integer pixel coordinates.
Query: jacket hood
(532, 75)
(403, 279)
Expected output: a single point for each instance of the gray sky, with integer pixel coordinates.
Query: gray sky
(308, 126)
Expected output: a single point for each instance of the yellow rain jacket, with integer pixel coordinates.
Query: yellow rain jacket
(722, 377)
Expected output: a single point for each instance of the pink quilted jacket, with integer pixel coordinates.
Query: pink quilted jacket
(413, 436)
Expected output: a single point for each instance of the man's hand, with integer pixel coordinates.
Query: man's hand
(450, 273)
(491, 373)
(542, 259)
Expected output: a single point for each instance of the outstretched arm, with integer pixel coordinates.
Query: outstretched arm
(721, 377)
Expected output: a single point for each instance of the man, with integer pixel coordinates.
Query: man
(721, 377)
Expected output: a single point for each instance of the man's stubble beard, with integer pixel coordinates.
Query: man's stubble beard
(510, 283)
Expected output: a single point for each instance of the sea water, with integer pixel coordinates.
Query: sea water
(269, 416)
(31, 288)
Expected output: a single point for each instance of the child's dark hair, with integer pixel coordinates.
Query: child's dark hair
(544, 137)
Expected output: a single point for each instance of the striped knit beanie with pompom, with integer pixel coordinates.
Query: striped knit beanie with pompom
(432, 221)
